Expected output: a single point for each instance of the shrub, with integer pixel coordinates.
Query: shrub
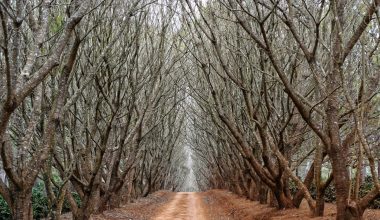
(39, 203)
(365, 188)
(329, 193)
(329, 196)
(5, 212)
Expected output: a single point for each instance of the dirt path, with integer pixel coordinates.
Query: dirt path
(211, 205)
(184, 206)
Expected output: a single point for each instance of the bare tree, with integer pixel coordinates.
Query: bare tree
(30, 51)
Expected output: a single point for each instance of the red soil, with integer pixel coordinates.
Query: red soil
(184, 206)
(212, 205)
(142, 209)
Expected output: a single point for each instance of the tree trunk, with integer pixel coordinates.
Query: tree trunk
(283, 201)
(363, 173)
(320, 202)
(320, 205)
(298, 197)
(22, 206)
(352, 212)
(341, 182)
(104, 202)
(85, 211)
(336, 151)
(272, 199)
(82, 215)
(253, 191)
(263, 194)
(115, 200)
(110, 200)
(59, 203)
(88, 207)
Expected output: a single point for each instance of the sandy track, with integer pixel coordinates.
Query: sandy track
(184, 206)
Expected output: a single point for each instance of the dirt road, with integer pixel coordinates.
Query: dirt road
(211, 205)
(185, 206)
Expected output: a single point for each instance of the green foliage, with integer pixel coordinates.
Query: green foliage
(39, 203)
(5, 212)
(329, 196)
(77, 198)
(366, 187)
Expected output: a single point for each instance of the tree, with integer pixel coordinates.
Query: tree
(247, 79)
(25, 37)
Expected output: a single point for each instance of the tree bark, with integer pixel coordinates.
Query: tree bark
(298, 197)
(263, 194)
(341, 182)
(283, 201)
(335, 150)
(22, 206)
(319, 205)
(88, 207)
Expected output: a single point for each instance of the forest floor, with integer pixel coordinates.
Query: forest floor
(210, 205)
